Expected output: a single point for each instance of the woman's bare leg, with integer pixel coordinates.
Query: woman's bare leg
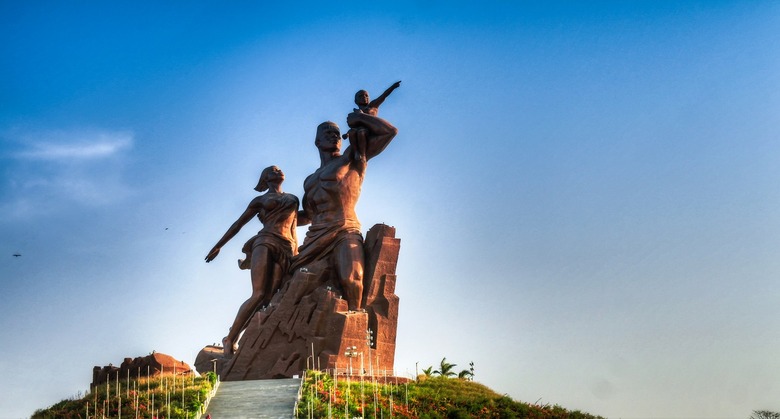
(261, 264)
(275, 274)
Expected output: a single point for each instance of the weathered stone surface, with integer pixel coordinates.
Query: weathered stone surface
(308, 322)
(150, 365)
(204, 362)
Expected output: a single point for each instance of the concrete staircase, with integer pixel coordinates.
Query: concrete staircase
(255, 399)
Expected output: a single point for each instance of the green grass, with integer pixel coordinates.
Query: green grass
(430, 397)
(161, 396)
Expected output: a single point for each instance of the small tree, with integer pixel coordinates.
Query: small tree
(467, 374)
(445, 368)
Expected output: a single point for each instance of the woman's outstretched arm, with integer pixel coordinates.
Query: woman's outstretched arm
(248, 214)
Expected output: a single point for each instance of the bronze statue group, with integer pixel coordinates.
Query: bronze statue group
(330, 196)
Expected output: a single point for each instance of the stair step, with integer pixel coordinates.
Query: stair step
(255, 399)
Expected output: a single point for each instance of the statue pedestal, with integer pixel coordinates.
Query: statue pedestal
(307, 324)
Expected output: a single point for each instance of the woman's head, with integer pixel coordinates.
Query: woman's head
(269, 174)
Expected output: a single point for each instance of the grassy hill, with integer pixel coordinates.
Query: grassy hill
(321, 397)
(428, 397)
(165, 396)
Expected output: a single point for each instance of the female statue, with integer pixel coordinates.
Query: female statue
(268, 253)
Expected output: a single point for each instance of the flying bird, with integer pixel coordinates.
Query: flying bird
(16, 255)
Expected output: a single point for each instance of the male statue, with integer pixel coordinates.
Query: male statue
(330, 196)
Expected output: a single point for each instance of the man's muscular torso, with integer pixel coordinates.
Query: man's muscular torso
(332, 191)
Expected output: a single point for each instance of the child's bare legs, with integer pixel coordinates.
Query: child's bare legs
(361, 144)
(357, 139)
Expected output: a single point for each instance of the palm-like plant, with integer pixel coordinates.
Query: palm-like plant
(445, 368)
(465, 375)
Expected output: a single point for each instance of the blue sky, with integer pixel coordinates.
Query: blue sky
(586, 193)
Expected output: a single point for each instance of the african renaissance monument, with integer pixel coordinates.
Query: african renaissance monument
(320, 304)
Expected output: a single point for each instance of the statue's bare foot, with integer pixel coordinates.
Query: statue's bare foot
(227, 346)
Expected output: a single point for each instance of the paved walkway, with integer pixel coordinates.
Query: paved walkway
(255, 399)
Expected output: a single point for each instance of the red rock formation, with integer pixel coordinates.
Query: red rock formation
(143, 366)
(308, 325)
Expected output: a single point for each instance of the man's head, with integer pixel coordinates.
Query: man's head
(328, 137)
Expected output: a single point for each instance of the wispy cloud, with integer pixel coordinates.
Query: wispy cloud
(61, 169)
(82, 145)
